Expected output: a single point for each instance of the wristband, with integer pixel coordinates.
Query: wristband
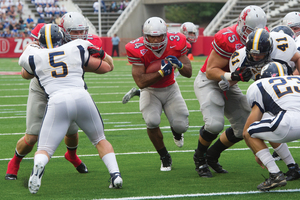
(181, 67)
(161, 73)
(98, 66)
(227, 75)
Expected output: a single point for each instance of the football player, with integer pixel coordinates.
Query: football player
(214, 103)
(76, 25)
(261, 48)
(64, 85)
(159, 90)
(274, 95)
(191, 33)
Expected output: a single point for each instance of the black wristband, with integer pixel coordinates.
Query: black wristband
(98, 66)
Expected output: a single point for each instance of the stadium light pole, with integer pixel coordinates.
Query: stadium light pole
(99, 18)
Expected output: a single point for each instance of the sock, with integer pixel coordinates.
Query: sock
(201, 150)
(138, 92)
(111, 162)
(177, 136)
(285, 154)
(266, 158)
(41, 158)
(216, 149)
(163, 152)
(71, 156)
(14, 164)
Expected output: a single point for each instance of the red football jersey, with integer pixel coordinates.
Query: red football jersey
(139, 54)
(36, 30)
(94, 39)
(226, 41)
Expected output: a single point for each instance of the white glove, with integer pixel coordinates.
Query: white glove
(224, 84)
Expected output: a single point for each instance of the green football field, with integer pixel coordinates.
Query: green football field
(138, 161)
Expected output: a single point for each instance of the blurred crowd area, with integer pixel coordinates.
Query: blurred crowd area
(13, 22)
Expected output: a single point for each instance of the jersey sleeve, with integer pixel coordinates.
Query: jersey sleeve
(36, 30)
(179, 40)
(223, 43)
(188, 45)
(254, 96)
(133, 52)
(25, 61)
(95, 40)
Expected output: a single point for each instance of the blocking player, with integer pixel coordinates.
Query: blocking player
(159, 90)
(191, 33)
(214, 103)
(75, 26)
(65, 87)
(261, 48)
(279, 96)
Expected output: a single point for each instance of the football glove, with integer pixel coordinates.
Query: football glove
(166, 68)
(175, 62)
(96, 52)
(241, 74)
(224, 84)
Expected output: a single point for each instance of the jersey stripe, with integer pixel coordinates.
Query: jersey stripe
(220, 51)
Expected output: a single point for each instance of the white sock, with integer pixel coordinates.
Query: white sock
(41, 158)
(285, 154)
(266, 158)
(111, 162)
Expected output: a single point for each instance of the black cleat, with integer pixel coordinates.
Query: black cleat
(82, 168)
(215, 165)
(10, 177)
(201, 167)
(276, 156)
(293, 173)
(275, 180)
(166, 163)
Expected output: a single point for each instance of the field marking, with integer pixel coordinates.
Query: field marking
(201, 195)
(146, 152)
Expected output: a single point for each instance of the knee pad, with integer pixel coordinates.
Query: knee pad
(180, 126)
(152, 122)
(231, 137)
(207, 136)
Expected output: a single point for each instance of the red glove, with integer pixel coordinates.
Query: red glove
(96, 52)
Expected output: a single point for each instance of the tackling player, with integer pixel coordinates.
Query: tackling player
(75, 26)
(273, 95)
(65, 87)
(159, 90)
(214, 103)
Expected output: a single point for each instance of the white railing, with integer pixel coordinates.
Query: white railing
(209, 30)
(123, 17)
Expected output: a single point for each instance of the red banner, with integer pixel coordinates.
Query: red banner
(12, 47)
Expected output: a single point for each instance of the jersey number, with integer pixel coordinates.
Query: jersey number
(284, 89)
(283, 46)
(62, 65)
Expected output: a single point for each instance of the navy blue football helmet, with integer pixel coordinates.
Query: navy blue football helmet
(284, 29)
(50, 36)
(258, 42)
(273, 69)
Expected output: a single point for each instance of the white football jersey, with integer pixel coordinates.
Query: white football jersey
(64, 64)
(275, 94)
(284, 48)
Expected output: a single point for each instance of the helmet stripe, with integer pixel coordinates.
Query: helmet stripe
(280, 69)
(256, 38)
(48, 36)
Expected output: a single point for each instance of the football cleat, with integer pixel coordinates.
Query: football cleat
(35, 179)
(276, 156)
(215, 165)
(180, 142)
(116, 180)
(293, 173)
(82, 168)
(275, 180)
(10, 177)
(129, 95)
(201, 166)
(166, 163)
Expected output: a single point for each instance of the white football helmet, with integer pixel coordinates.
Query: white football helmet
(155, 26)
(189, 27)
(292, 19)
(250, 18)
(74, 21)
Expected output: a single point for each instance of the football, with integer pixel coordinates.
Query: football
(154, 66)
